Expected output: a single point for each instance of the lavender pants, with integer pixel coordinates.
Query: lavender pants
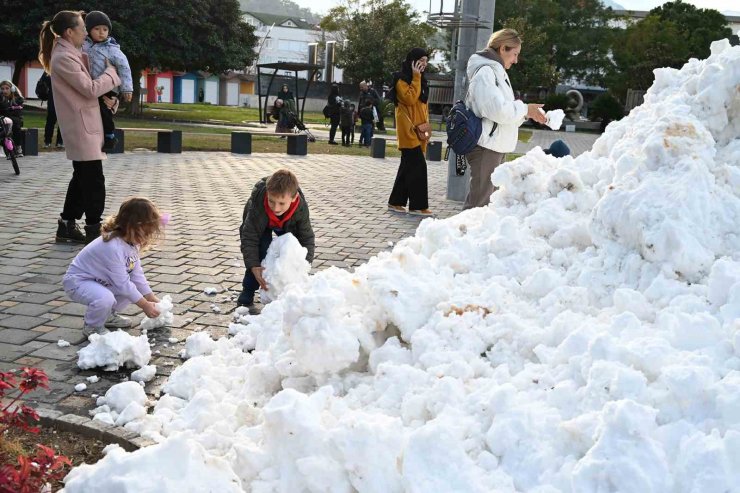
(100, 300)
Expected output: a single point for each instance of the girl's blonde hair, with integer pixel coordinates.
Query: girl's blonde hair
(138, 221)
(13, 94)
(508, 38)
(63, 20)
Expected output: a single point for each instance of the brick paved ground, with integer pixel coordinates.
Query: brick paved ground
(205, 192)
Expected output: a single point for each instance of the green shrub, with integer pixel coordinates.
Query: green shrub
(556, 102)
(606, 108)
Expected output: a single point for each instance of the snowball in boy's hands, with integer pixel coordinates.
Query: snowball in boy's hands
(165, 316)
(150, 310)
(555, 118)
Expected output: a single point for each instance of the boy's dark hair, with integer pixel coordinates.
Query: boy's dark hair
(282, 182)
(368, 102)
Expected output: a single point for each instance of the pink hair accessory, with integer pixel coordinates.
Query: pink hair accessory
(164, 218)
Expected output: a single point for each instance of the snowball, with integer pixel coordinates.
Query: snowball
(144, 374)
(210, 290)
(63, 343)
(555, 119)
(80, 387)
(165, 317)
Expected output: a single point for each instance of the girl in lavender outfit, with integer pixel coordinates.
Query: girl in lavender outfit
(107, 275)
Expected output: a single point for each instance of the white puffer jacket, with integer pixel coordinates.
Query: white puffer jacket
(491, 97)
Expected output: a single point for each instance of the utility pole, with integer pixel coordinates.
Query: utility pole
(475, 25)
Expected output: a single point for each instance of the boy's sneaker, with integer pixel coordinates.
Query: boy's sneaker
(47, 145)
(109, 144)
(252, 308)
(116, 321)
(420, 212)
(60, 146)
(69, 232)
(88, 330)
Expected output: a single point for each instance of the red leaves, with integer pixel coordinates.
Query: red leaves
(31, 472)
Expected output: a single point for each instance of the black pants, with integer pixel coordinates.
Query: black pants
(411, 181)
(17, 132)
(345, 135)
(333, 129)
(352, 134)
(51, 121)
(86, 192)
(107, 115)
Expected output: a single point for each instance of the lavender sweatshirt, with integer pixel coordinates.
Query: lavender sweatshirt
(114, 264)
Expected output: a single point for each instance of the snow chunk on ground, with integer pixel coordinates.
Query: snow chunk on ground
(198, 344)
(63, 343)
(144, 374)
(80, 387)
(113, 350)
(210, 290)
(166, 317)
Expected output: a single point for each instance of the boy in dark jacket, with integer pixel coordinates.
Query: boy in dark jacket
(366, 117)
(277, 205)
(346, 118)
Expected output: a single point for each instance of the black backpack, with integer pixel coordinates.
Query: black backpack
(327, 111)
(43, 87)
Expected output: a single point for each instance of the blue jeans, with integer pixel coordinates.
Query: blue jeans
(249, 283)
(366, 133)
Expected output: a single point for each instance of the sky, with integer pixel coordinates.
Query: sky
(322, 6)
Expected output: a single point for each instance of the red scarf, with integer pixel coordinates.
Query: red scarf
(275, 222)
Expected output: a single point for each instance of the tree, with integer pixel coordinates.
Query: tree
(567, 39)
(185, 35)
(667, 37)
(378, 35)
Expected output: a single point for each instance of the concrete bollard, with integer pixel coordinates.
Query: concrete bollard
(30, 141)
(120, 136)
(377, 148)
(298, 145)
(241, 143)
(434, 151)
(169, 142)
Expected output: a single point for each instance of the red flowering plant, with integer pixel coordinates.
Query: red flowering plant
(31, 472)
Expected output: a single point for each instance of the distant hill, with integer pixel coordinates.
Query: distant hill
(279, 7)
(612, 4)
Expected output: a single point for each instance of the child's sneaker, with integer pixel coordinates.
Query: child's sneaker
(251, 308)
(109, 144)
(116, 321)
(88, 330)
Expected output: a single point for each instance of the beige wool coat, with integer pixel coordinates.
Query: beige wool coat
(76, 100)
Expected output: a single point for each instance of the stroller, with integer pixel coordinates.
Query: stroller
(6, 139)
(294, 123)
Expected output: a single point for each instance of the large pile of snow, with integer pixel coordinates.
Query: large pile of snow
(580, 334)
(113, 350)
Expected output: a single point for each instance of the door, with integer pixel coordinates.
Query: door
(188, 91)
(232, 94)
(211, 91)
(166, 83)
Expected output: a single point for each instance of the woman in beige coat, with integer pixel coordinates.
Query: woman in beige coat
(76, 100)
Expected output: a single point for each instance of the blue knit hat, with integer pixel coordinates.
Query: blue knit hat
(558, 149)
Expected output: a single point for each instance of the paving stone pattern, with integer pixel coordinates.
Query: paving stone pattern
(205, 193)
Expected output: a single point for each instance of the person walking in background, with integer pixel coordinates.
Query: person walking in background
(491, 97)
(366, 123)
(345, 122)
(368, 93)
(11, 106)
(410, 94)
(76, 100)
(51, 112)
(334, 108)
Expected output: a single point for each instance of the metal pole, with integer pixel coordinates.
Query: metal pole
(467, 45)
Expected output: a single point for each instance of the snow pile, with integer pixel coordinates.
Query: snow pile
(113, 350)
(580, 334)
(122, 403)
(285, 264)
(144, 374)
(165, 315)
(198, 344)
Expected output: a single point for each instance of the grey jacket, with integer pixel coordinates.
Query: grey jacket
(255, 222)
(109, 49)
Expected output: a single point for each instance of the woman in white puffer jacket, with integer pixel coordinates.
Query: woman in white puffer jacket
(491, 97)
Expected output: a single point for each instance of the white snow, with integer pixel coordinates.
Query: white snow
(92, 378)
(165, 315)
(144, 374)
(113, 350)
(198, 344)
(80, 387)
(580, 334)
(285, 264)
(124, 402)
(63, 343)
(210, 290)
(555, 119)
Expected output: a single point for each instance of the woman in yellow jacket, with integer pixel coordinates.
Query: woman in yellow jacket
(411, 95)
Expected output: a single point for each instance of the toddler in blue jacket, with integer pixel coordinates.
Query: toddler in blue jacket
(100, 46)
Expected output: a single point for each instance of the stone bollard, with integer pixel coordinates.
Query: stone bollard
(120, 136)
(434, 151)
(169, 142)
(377, 148)
(241, 143)
(298, 145)
(30, 141)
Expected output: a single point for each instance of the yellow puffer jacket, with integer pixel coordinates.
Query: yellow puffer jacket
(410, 109)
